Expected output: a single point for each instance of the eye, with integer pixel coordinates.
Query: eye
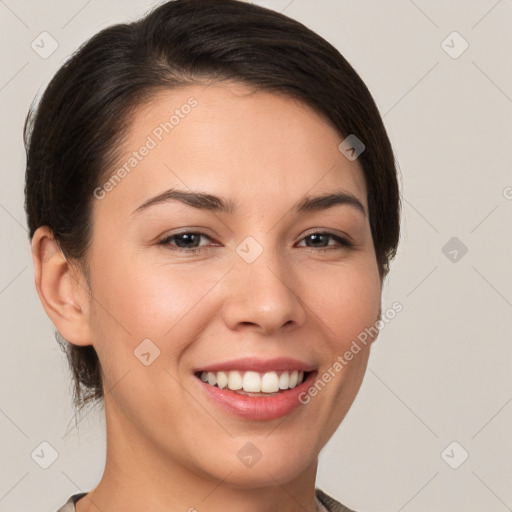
(318, 240)
(185, 242)
(189, 241)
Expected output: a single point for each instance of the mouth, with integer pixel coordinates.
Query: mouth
(255, 384)
(256, 395)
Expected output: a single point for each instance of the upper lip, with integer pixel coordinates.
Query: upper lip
(258, 365)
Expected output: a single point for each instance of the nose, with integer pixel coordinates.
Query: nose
(263, 295)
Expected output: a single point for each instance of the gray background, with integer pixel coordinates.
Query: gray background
(440, 371)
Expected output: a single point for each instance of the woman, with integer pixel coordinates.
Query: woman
(213, 205)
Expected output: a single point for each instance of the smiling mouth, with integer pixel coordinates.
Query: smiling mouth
(252, 383)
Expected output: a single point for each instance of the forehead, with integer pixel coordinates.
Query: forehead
(230, 141)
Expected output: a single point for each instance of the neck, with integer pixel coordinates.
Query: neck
(140, 476)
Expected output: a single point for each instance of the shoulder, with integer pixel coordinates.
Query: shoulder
(69, 506)
(329, 503)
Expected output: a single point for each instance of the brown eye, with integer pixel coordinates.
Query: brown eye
(186, 241)
(319, 240)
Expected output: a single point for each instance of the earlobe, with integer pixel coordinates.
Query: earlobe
(61, 288)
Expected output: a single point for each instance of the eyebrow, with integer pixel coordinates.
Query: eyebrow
(209, 202)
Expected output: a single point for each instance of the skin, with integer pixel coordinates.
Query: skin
(170, 447)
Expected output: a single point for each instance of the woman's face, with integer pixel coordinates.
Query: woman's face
(264, 280)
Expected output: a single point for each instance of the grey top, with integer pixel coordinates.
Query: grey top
(323, 501)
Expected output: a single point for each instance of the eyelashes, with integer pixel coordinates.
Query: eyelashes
(178, 242)
(190, 236)
(343, 242)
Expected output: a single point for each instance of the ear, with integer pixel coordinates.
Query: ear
(377, 320)
(62, 289)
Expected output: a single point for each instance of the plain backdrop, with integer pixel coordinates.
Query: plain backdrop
(431, 426)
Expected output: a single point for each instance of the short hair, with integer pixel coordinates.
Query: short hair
(73, 136)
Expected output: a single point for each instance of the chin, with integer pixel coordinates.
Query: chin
(273, 466)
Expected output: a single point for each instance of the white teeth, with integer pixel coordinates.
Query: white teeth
(251, 382)
(284, 379)
(222, 380)
(270, 383)
(234, 381)
(254, 382)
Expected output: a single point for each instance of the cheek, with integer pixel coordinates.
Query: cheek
(153, 299)
(347, 300)
(137, 311)
(136, 299)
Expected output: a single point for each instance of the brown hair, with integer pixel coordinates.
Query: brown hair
(72, 137)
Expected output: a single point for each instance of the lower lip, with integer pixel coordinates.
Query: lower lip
(255, 407)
